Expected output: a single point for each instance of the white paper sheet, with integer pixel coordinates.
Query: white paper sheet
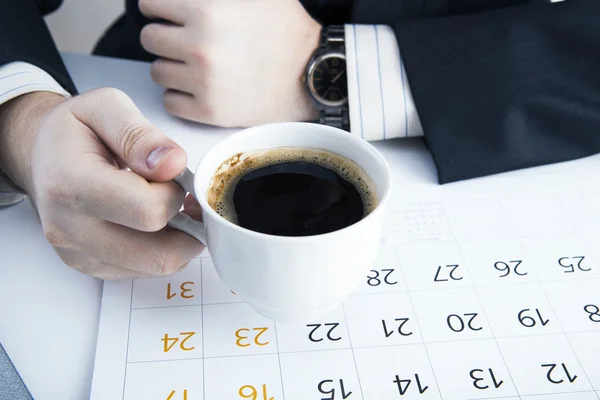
(480, 291)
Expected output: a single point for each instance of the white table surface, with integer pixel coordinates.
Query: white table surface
(49, 312)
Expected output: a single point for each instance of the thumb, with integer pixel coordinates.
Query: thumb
(115, 119)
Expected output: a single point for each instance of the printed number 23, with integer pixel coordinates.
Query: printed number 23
(244, 341)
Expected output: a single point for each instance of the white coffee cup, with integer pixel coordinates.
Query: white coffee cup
(289, 279)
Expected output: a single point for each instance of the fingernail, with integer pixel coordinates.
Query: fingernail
(156, 155)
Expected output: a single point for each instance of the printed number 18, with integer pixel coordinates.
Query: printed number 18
(250, 392)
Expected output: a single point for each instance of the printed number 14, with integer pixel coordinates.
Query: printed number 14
(250, 392)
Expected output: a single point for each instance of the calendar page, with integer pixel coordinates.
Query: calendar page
(488, 290)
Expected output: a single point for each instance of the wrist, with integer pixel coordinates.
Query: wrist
(326, 81)
(306, 110)
(20, 120)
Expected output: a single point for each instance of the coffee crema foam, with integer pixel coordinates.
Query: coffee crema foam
(224, 181)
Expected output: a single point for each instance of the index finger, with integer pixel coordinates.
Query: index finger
(125, 198)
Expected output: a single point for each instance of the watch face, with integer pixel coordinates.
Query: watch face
(328, 80)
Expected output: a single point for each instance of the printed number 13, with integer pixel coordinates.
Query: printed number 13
(250, 392)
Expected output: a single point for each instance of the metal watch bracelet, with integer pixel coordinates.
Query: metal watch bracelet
(333, 39)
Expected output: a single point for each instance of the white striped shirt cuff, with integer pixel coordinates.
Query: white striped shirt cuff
(380, 101)
(18, 78)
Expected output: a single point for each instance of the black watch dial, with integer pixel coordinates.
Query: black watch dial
(328, 80)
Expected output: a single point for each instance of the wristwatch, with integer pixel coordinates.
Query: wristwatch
(326, 79)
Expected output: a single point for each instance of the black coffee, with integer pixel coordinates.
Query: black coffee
(291, 192)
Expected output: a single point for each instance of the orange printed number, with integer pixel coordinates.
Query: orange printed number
(184, 290)
(173, 394)
(170, 342)
(250, 392)
(241, 338)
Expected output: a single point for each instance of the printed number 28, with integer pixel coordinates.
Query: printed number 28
(376, 281)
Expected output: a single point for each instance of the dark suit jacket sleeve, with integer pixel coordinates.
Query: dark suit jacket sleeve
(24, 36)
(504, 89)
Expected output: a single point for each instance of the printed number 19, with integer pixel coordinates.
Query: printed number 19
(250, 392)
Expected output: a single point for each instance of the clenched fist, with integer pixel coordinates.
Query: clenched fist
(99, 176)
(232, 63)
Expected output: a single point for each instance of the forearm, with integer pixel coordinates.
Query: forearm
(20, 119)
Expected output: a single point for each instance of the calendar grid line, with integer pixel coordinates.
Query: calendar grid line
(423, 343)
(128, 333)
(460, 251)
(169, 306)
(542, 282)
(279, 361)
(589, 253)
(568, 340)
(530, 395)
(353, 355)
(564, 333)
(490, 240)
(203, 331)
(456, 345)
(437, 385)
(442, 289)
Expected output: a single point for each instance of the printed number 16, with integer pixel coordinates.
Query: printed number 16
(250, 392)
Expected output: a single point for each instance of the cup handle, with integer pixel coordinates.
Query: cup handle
(184, 222)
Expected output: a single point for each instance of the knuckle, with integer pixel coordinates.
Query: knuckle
(152, 216)
(146, 35)
(155, 72)
(169, 262)
(58, 195)
(112, 93)
(145, 6)
(56, 237)
(132, 139)
(199, 55)
(206, 112)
